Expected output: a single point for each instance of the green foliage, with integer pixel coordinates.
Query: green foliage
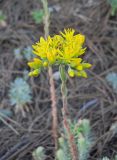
(20, 92)
(17, 53)
(112, 79)
(113, 4)
(63, 151)
(62, 73)
(5, 112)
(37, 16)
(39, 154)
(60, 155)
(26, 53)
(106, 158)
(82, 134)
(25, 75)
(83, 148)
(2, 16)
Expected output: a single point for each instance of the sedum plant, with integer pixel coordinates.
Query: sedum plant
(17, 54)
(39, 154)
(27, 53)
(82, 134)
(115, 157)
(112, 80)
(106, 158)
(113, 4)
(65, 49)
(63, 151)
(20, 94)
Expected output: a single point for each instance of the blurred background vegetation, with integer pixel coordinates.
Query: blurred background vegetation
(25, 108)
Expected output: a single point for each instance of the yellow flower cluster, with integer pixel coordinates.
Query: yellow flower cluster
(65, 49)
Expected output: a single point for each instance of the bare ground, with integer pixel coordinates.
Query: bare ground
(91, 18)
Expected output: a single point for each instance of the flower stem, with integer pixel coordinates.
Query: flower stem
(51, 80)
(64, 89)
(46, 17)
(71, 140)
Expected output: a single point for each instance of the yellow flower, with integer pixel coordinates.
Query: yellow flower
(79, 67)
(68, 33)
(81, 74)
(45, 64)
(51, 56)
(34, 73)
(37, 63)
(65, 49)
(42, 47)
(71, 72)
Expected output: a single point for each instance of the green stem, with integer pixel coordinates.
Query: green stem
(71, 140)
(46, 17)
(51, 80)
(64, 89)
